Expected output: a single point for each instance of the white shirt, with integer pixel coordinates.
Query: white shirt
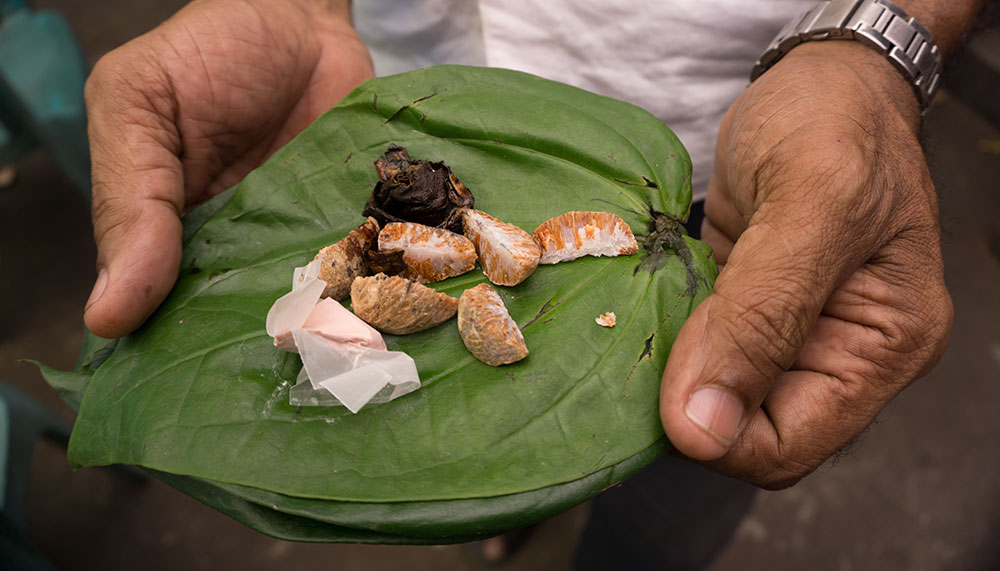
(684, 61)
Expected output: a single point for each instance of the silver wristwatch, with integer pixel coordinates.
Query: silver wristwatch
(879, 24)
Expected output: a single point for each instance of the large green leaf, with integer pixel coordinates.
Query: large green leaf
(303, 519)
(447, 521)
(200, 391)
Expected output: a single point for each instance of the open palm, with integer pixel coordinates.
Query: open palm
(187, 110)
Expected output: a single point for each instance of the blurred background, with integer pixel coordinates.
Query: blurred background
(919, 491)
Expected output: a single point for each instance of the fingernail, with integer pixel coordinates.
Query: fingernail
(99, 287)
(716, 411)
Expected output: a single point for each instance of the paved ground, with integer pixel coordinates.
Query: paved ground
(918, 493)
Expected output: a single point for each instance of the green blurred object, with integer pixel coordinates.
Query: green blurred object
(10, 6)
(42, 73)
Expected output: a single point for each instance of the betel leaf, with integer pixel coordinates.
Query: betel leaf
(436, 522)
(200, 390)
(69, 384)
(454, 520)
(413, 523)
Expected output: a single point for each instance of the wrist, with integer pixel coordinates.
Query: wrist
(863, 71)
(880, 25)
(949, 21)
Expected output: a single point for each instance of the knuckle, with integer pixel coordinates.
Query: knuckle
(916, 333)
(835, 175)
(775, 470)
(109, 73)
(129, 80)
(934, 327)
(767, 331)
(789, 467)
(100, 75)
(112, 215)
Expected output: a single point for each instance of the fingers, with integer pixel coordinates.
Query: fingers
(817, 321)
(138, 193)
(739, 340)
(822, 216)
(774, 284)
(867, 345)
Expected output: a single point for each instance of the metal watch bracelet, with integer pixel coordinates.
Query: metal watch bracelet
(879, 24)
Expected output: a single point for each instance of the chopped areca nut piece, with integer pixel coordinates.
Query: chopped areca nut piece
(399, 306)
(507, 253)
(606, 319)
(430, 254)
(576, 234)
(345, 260)
(487, 329)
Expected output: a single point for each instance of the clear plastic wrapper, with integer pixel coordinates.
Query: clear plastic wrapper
(344, 360)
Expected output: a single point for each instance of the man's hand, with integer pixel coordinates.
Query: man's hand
(831, 298)
(187, 110)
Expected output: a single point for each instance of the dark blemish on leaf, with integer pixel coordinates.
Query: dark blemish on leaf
(375, 101)
(546, 308)
(648, 349)
(620, 207)
(208, 241)
(349, 155)
(100, 356)
(298, 413)
(647, 352)
(422, 117)
(400, 111)
(194, 271)
(296, 202)
(613, 159)
(395, 115)
(646, 183)
(625, 182)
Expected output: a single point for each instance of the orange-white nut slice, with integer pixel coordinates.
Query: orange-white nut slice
(487, 329)
(607, 319)
(345, 260)
(430, 254)
(399, 306)
(507, 253)
(576, 234)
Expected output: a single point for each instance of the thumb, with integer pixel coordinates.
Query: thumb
(138, 195)
(738, 341)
